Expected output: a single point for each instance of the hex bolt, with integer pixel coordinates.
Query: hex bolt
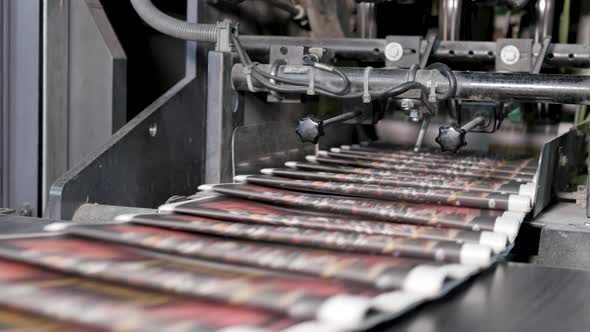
(510, 54)
(415, 116)
(407, 104)
(394, 51)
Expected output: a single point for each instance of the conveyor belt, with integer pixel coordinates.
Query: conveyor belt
(356, 237)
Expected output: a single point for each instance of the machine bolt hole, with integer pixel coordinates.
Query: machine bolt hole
(153, 129)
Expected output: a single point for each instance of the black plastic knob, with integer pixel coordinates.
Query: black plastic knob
(451, 138)
(310, 130)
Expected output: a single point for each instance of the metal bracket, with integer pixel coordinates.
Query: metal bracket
(490, 110)
(225, 113)
(224, 31)
(402, 51)
(560, 160)
(540, 56)
(139, 166)
(431, 39)
(287, 55)
(514, 55)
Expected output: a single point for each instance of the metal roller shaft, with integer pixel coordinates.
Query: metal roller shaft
(558, 89)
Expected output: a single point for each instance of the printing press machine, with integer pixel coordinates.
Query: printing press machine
(266, 82)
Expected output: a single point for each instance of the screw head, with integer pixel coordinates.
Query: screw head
(415, 116)
(153, 129)
(407, 104)
(510, 54)
(563, 161)
(394, 51)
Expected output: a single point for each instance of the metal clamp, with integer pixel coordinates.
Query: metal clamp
(432, 94)
(366, 92)
(224, 30)
(274, 69)
(248, 73)
(311, 88)
(412, 73)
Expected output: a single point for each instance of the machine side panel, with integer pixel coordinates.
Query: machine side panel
(159, 153)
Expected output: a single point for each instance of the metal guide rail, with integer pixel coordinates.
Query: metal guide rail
(556, 55)
(343, 241)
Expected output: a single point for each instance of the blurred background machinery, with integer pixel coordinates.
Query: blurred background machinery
(98, 106)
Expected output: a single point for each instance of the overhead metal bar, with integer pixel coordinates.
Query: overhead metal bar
(562, 55)
(559, 89)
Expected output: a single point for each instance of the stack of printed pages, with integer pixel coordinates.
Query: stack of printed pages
(342, 241)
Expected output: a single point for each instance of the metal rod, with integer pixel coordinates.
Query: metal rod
(526, 87)
(342, 117)
(449, 19)
(367, 21)
(545, 10)
(473, 123)
(422, 133)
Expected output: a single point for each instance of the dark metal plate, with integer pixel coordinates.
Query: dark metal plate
(158, 154)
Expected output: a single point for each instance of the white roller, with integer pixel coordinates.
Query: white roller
(356, 145)
(518, 203)
(345, 147)
(56, 226)
(425, 279)
(514, 215)
(241, 178)
(497, 241)
(508, 226)
(206, 187)
(475, 254)
(291, 164)
(322, 153)
(311, 159)
(528, 189)
(126, 217)
(337, 150)
(345, 311)
(267, 171)
(166, 208)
